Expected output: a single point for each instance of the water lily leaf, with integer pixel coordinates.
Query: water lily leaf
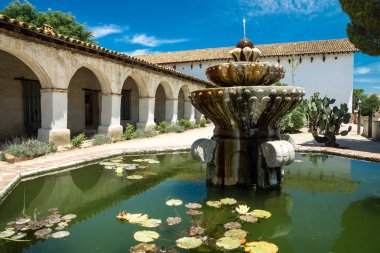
(122, 215)
(193, 212)
(63, 224)
(260, 213)
(236, 233)
(137, 217)
(147, 160)
(23, 221)
(42, 233)
(188, 242)
(196, 231)
(119, 170)
(135, 177)
(60, 228)
(298, 161)
(173, 220)
(232, 225)
(144, 247)
(142, 167)
(216, 203)
(193, 205)
(228, 243)
(18, 236)
(228, 201)
(130, 166)
(242, 209)
(6, 233)
(248, 218)
(260, 247)
(60, 234)
(152, 161)
(116, 161)
(109, 167)
(55, 218)
(150, 223)
(146, 236)
(68, 217)
(52, 210)
(174, 202)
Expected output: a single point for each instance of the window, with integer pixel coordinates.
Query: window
(125, 105)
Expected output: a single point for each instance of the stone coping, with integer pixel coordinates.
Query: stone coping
(10, 177)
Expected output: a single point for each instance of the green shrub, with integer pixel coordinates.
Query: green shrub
(142, 133)
(293, 121)
(177, 128)
(21, 147)
(185, 123)
(162, 127)
(202, 122)
(130, 132)
(78, 140)
(100, 139)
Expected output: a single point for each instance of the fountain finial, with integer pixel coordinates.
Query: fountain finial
(245, 51)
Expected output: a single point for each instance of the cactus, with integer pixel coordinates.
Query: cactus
(324, 122)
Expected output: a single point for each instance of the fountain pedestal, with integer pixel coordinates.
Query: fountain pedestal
(246, 148)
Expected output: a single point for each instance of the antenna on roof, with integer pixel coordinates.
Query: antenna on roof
(244, 22)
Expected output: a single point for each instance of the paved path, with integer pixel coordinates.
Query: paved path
(11, 174)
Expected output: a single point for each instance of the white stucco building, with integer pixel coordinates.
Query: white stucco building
(325, 66)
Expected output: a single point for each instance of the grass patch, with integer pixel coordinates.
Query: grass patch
(22, 147)
(100, 139)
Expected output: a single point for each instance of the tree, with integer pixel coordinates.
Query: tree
(63, 23)
(356, 94)
(369, 106)
(364, 29)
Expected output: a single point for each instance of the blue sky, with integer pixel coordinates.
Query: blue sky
(148, 26)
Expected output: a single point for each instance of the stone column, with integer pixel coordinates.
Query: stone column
(171, 110)
(189, 111)
(110, 115)
(146, 113)
(54, 117)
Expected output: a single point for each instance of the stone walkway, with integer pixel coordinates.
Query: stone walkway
(11, 174)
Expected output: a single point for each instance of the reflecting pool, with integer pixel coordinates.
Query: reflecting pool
(327, 204)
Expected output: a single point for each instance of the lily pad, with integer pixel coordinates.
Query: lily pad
(119, 171)
(42, 233)
(236, 233)
(298, 161)
(142, 167)
(248, 218)
(146, 236)
(116, 161)
(68, 217)
(60, 228)
(144, 247)
(60, 234)
(136, 217)
(109, 167)
(193, 205)
(173, 220)
(260, 213)
(23, 221)
(18, 236)
(260, 247)
(188, 242)
(174, 202)
(232, 225)
(150, 223)
(54, 218)
(52, 210)
(228, 243)
(147, 160)
(196, 231)
(131, 166)
(6, 233)
(135, 177)
(215, 203)
(193, 212)
(242, 209)
(228, 201)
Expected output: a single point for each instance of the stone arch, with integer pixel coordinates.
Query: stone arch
(84, 101)
(102, 79)
(33, 64)
(130, 96)
(20, 97)
(184, 91)
(164, 93)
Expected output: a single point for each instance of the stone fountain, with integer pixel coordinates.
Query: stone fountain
(247, 147)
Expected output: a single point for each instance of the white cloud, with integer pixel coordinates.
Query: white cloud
(368, 69)
(104, 30)
(376, 87)
(367, 80)
(149, 41)
(304, 7)
(140, 52)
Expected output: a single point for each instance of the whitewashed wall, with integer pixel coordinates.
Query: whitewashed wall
(332, 77)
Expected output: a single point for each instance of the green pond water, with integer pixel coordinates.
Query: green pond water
(327, 204)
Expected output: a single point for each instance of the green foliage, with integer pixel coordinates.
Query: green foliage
(280, 84)
(162, 127)
(185, 123)
(145, 133)
(202, 122)
(370, 105)
(63, 23)
(357, 94)
(165, 127)
(78, 140)
(324, 122)
(364, 29)
(21, 147)
(100, 139)
(130, 132)
(293, 121)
